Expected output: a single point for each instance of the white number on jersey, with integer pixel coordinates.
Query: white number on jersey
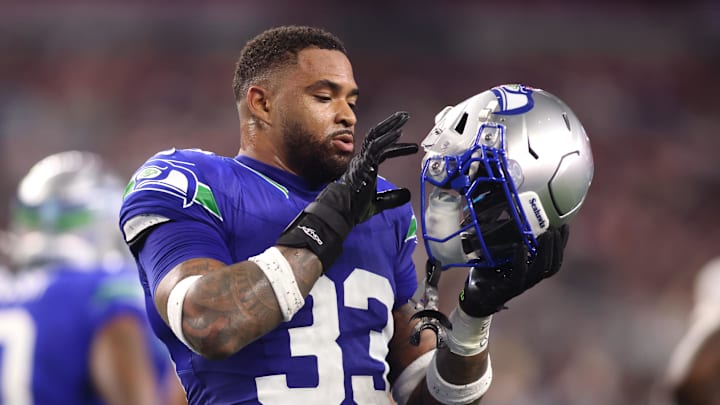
(359, 287)
(17, 343)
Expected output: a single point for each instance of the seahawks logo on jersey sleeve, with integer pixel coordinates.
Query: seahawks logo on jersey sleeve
(176, 178)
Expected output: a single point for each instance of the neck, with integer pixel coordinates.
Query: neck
(257, 144)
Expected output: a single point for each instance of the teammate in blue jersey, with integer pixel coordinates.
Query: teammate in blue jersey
(283, 275)
(73, 327)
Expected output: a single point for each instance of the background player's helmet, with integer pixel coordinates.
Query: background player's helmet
(500, 168)
(66, 212)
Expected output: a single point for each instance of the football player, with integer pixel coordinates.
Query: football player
(284, 274)
(73, 328)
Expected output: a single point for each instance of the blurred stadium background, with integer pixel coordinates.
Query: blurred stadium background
(127, 79)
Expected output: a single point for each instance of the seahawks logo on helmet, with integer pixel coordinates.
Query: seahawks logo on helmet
(514, 99)
(177, 179)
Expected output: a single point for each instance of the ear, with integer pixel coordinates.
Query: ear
(258, 102)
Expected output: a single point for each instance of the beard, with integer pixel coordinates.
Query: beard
(316, 161)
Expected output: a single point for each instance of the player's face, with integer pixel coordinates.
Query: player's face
(316, 112)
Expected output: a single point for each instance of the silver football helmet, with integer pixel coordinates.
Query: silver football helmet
(501, 167)
(66, 212)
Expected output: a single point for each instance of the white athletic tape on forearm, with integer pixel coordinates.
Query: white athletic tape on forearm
(410, 378)
(282, 279)
(469, 335)
(452, 394)
(175, 307)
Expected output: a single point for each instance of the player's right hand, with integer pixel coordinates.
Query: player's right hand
(325, 223)
(357, 187)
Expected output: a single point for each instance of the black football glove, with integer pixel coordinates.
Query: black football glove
(487, 290)
(323, 225)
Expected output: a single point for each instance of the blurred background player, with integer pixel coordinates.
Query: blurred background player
(73, 329)
(693, 374)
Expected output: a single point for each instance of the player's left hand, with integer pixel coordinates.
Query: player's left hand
(487, 290)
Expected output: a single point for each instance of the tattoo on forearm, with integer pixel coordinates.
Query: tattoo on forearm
(234, 305)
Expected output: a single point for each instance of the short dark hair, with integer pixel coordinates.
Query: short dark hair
(277, 47)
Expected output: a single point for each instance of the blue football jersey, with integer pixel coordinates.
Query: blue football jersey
(48, 319)
(333, 350)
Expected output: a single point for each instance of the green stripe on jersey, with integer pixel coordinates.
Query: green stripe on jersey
(412, 229)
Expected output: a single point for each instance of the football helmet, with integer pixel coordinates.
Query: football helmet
(66, 212)
(500, 168)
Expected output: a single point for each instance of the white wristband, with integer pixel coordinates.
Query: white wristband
(175, 307)
(282, 279)
(410, 378)
(452, 394)
(469, 335)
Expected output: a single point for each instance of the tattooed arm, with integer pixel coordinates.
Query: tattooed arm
(231, 305)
